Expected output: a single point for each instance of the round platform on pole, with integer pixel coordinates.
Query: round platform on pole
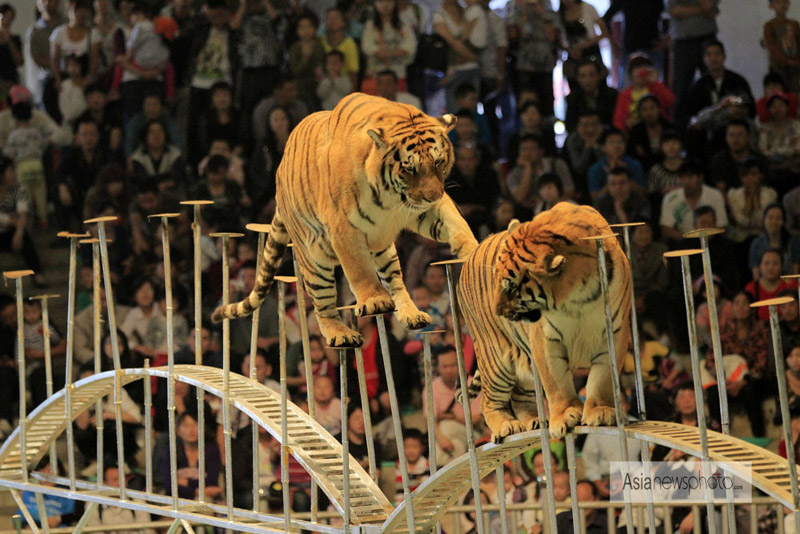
(772, 302)
(448, 262)
(700, 232)
(196, 202)
(682, 253)
(286, 279)
(790, 276)
(160, 215)
(44, 297)
(92, 241)
(598, 237)
(106, 218)
(429, 332)
(349, 307)
(260, 228)
(13, 275)
(70, 235)
(626, 225)
(226, 234)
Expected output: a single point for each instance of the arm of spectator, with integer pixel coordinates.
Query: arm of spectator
(562, 171)
(665, 97)
(55, 64)
(522, 189)
(235, 21)
(370, 42)
(456, 45)
(95, 53)
(16, 55)
(680, 11)
(622, 110)
(671, 233)
(408, 46)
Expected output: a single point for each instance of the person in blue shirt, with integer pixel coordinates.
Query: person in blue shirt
(613, 143)
(61, 512)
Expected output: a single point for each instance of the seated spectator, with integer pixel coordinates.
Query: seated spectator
(466, 133)
(34, 329)
(387, 43)
(590, 94)
(703, 317)
(582, 150)
(644, 140)
(149, 201)
(679, 205)
(357, 437)
(71, 99)
(718, 83)
(622, 204)
(336, 85)
(285, 96)
(240, 328)
(649, 274)
(706, 134)
(324, 362)
(101, 113)
(306, 58)
(186, 445)
(775, 236)
(747, 204)
(152, 109)
(145, 310)
(664, 175)
(328, 407)
(790, 334)
(531, 123)
(769, 283)
(231, 202)
(721, 249)
(472, 188)
(725, 163)
(222, 147)
(414, 444)
(60, 511)
(15, 209)
(550, 192)
(84, 327)
(267, 156)
(774, 83)
(210, 355)
(613, 143)
(108, 516)
(779, 140)
(449, 425)
(530, 166)
(502, 214)
(594, 518)
(157, 158)
(334, 37)
(644, 82)
(467, 99)
(389, 88)
(220, 121)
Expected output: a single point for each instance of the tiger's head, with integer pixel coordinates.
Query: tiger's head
(537, 271)
(417, 157)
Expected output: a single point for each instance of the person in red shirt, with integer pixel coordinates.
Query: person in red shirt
(769, 284)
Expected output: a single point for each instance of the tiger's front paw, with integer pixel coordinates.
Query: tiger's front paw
(376, 305)
(508, 428)
(339, 335)
(412, 319)
(561, 424)
(600, 416)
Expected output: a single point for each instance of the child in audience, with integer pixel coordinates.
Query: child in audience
(773, 83)
(335, 85)
(71, 98)
(663, 176)
(320, 365)
(418, 467)
(782, 39)
(328, 406)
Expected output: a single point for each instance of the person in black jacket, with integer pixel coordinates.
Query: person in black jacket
(590, 94)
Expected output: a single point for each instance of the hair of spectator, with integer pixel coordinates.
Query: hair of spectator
(45, 461)
(594, 64)
(620, 171)
(414, 433)
(690, 168)
(80, 4)
(7, 8)
(500, 201)
(141, 7)
(638, 60)
(611, 132)
(588, 114)
(148, 184)
(749, 164)
(464, 113)
(772, 250)
(249, 264)
(5, 164)
(713, 42)
(217, 163)
(146, 130)
(739, 122)
(464, 89)
(552, 179)
(431, 266)
(671, 135)
(704, 210)
(528, 138)
(338, 53)
(6, 300)
(648, 98)
(395, 21)
(316, 338)
(221, 86)
(682, 386)
(216, 4)
(81, 61)
(386, 72)
(94, 88)
(353, 406)
(445, 349)
(526, 105)
(22, 111)
(587, 482)
(773, 77)
(184, 415)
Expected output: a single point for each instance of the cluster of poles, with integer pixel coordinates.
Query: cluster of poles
(100, 264)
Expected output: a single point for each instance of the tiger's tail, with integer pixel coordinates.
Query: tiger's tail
(273, 253)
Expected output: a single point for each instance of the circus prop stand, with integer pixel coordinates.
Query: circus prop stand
(362, 389)
(282, 281)
(48, 363)
(429, 415)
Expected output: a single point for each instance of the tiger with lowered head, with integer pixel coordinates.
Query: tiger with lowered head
(350, 180)
(534, 291)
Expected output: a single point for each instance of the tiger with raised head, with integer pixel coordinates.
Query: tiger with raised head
(350, 180)
(534, 291)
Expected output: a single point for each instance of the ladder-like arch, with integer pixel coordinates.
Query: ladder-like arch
(310, 444)
(769, 472)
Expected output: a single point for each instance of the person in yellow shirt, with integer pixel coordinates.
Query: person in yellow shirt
(336, 38)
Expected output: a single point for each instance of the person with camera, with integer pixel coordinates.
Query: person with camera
(644, 82)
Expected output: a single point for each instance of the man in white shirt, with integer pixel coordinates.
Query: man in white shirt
(677, 208)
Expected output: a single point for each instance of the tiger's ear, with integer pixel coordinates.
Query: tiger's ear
(448, 120)
(378, 138)
(556, 264)
(512, 224)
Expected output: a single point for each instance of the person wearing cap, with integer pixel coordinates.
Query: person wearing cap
(779, 140)
(19, 94)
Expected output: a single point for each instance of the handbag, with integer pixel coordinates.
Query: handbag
(432, 52)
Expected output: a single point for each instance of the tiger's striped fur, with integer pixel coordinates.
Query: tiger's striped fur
(350, 180)
(534, 292)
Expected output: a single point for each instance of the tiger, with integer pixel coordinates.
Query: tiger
(350, 180)
(533, 291)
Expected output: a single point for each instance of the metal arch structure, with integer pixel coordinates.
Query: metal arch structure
(769, 472)
(310, 444)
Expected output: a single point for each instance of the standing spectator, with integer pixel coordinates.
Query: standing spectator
(621, 204)
(387, 43)
(779, 140)
(538, 31)
(76, 39)
(10, 48)
(679, 205)
(107, 25)
(642, 31)
(306, 57)
(14, 213)
(19, 94)
(71, 98)
(775, 236)
(493, 66)
(335, 85)
(782, 39)
(644, 82)
(584, 29)
(693, 23)
(336, 38)
(37, 44)
(613, 142)
(725, 163)
(455, 25)
(590, 94)
(262, 31)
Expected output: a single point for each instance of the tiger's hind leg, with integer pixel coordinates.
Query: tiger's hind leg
(497, 383)
(320, 282)
(391, 275)
(523, 396)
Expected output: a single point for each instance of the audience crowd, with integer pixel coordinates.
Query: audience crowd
(128, 107)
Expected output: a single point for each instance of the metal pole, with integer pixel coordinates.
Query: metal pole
(69, 371)
(197, 230)
(284, 406)
(362, 388)
(573, 481)
(43, 517)
(783, 397)
(48, 365)
(23, 413)
(621, 416)
(639, 377)
(312, 404)
(98, 354)
(345, 439)
(426, 347)
(148, 429)
(698, 390)
(112, 325)
(398, 425)
(254, 375)
(462, 376)
(501, 496)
